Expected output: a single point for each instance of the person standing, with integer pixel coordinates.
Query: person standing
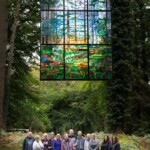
(57, 143)
(115, 144)
(80, 141)
(52, 136)
(86, 143)
(67, 144)
(46, 143)
(72, 137)
(28, 142)
(106, 143)
(51, 140)
(38, 145)
(94, 143)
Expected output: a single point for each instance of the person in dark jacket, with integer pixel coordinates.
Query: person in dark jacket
(106, 143)
(80, 141)
(46, 142)
(28, 142)
(51, 140)
(115, 144)
(72, 137)
(57, 143)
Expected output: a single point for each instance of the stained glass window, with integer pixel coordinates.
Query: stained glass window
(76, 40)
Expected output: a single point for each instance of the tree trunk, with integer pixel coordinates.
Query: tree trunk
(119, 131)
(12, 38)
(11, 56)
(3, 43)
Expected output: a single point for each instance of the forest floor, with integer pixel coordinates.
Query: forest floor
(14, 140)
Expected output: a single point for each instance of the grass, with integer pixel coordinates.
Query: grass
(131, 142)
(11, 141)
(14, 140)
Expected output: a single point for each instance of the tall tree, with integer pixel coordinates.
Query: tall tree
(23, 88)
(140, 102)
(3, 43)
(11, 55)
(119, 89)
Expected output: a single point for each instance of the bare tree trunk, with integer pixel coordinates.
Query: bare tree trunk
(119, 130)
(3, 43)
(11, 55)
(12, 39)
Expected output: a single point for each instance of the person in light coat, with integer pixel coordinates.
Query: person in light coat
(38, 145)
(94, 143)
(67, 144)
(86, 143)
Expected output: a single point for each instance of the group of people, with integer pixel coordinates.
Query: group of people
(69, 142)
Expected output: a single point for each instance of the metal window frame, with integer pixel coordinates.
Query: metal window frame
(64, 42)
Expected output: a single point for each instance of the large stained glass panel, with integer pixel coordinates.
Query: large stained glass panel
(76, 40)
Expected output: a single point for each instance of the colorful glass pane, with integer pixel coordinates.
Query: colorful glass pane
(52, 65)
(76, 40)
(76, 62)
(100, 62)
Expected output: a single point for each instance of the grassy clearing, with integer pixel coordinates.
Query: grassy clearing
(13, 141)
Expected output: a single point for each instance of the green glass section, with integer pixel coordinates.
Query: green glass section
(52, 64)
(99, 28)
(100, 62)
(52, 4)
(97, 4)
(76, 62)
